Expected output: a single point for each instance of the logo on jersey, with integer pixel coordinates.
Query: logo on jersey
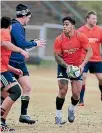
(71, 51)
(93, 40)
(60, 74)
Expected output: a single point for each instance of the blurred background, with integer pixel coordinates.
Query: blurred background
(46, 22)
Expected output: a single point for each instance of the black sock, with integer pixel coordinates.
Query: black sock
(100, 87)
(73, 101)
(3, 120)
(2, 111)
(24, 104)
(59, 103)
(2, 99)
(82, 94)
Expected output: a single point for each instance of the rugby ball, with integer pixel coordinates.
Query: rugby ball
(74, 72)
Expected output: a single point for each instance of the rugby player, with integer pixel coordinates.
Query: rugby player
(94, 34)
(18, 34)
(8, 84)
(67, 51)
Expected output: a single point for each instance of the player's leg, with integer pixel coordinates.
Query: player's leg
(4, 125)
(76, 88)
(24, 81)
(10, 85)
(99, 77)
(4, 94)
(63, 87)
(98, 73)
(26, 88)
(81, 101)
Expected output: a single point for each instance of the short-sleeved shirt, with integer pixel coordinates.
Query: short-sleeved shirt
(70, 49)
(95, 39)
(5, 53)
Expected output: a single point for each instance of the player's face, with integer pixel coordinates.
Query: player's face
(92, 20)
(27, 19)
(67, 27)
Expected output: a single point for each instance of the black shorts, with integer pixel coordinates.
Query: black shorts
(61, 74)
(93, 67)
(6, 78)
(22, 66)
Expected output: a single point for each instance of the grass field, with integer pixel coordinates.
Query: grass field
(42, 106)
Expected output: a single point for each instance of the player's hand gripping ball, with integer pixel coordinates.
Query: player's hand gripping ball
(73, 71)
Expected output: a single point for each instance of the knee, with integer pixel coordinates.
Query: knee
(76, 96)
(15, 92)
(26, 89)
(63, 92)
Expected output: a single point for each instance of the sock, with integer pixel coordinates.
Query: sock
(71, 107)
(100, 87)
(58, 113)
(82, 94)
(2, 111)
(73, 101)
(59, 105)
(2, 99)
(24, 104)
(3, 120)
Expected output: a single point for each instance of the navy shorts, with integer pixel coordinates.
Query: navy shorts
(61, 74)
(22, 66)
(93, 67)
(6, 78)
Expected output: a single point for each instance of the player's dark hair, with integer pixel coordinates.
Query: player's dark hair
(22, 10)
(90, 13)
(5, 22)
(70, 19)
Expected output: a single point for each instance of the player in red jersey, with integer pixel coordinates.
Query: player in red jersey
(67, 51)
(94, 34)
(8, 84)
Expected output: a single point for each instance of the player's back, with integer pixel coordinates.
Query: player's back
(95, 38)
(5, 53)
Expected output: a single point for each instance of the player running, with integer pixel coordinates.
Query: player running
(94, 34)
(67, 51)
(8, 84)
(18, 61)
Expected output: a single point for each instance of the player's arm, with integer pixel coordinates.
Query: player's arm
(15, 70)
(57, 54)
(59, 60)
(18, 34)
(87, 47)
(89, 54)
(101, 41)
(10, 46)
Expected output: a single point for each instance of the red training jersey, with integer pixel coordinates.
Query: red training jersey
(70, 49)
(95, 39)
(5, 53)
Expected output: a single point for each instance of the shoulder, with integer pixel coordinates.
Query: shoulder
(81, 36)
(59, 38)
(5, 32)
(81, 28)
(99, 28)
(17, 26)
(5, 35)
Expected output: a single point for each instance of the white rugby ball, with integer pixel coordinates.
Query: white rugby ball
(74, 72)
